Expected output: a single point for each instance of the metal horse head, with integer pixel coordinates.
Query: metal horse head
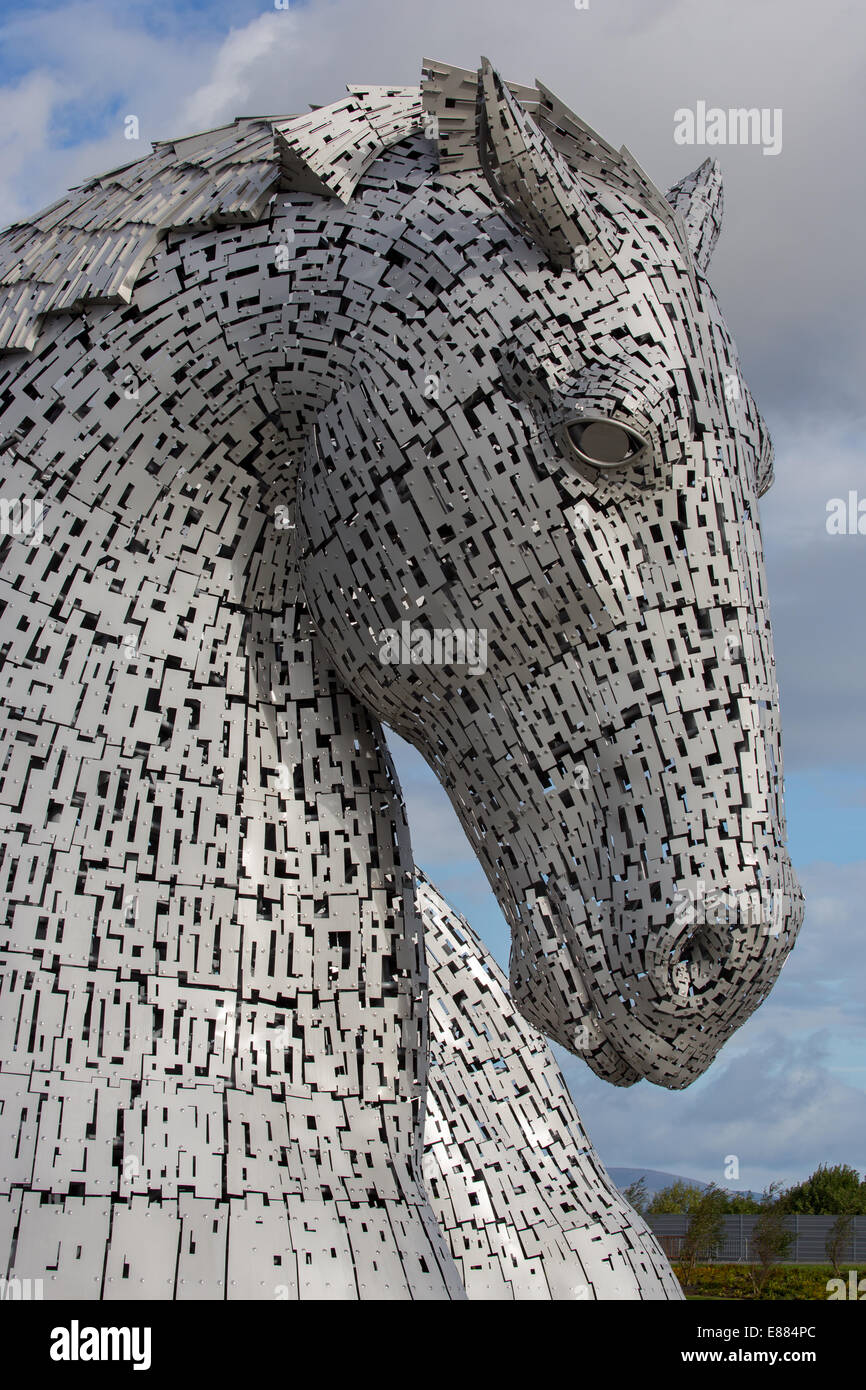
(528, 516)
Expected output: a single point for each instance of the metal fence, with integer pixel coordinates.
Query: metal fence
(807, 1248)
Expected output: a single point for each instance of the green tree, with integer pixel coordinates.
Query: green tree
(682, 1198)
(770, 1240)
(705, 1229)
(637, 1196)
(828, 1192)
(742, 1204)
(679, 1199)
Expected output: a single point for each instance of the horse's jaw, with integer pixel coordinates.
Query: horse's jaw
(601, 963)
(636, 974)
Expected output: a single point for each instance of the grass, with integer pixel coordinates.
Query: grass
(733, 1282)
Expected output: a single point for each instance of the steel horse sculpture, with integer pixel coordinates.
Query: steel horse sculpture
(415, 410)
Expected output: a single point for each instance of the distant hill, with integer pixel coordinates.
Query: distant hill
(656, 1180)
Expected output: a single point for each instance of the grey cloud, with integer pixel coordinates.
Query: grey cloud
(775, 1105)
(819, 624)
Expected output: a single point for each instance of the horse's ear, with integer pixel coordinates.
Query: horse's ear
(533, 182)
(700, 200)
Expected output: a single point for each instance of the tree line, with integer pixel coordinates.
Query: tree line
(829, 1191)
(835, 1191)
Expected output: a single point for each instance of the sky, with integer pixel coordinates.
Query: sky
(789, 1090)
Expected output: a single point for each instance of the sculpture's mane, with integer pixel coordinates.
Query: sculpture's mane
(90, 246)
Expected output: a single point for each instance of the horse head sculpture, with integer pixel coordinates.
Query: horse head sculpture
(416, 408)
(566, 468)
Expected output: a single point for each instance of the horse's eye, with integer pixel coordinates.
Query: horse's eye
(603, 443)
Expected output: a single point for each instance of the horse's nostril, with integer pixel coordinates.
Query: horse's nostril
(701, 958)
(691, 964)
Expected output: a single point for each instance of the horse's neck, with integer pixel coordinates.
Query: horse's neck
(216, 828)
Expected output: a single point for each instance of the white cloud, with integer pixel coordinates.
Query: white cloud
(25, 113)
(244, 72)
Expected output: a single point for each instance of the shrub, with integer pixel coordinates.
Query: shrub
(705, 1228)
(839, 1239)
(771, 1239)
(799, 1282)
